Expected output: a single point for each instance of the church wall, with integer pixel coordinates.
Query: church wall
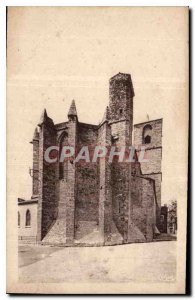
(156, 134)
(87, 178)
(47, 203)
(143, 205)
(153, 165)
(62, 175)
(121, 121)
(153, 153)
(35, 171)
(120, 192)
(71, 180)
(105, 188)
(157, 178)
(120, 133)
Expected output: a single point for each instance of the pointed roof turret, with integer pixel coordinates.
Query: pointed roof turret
(106, 115)
(72, 109)
(43, 117)
(36, 134)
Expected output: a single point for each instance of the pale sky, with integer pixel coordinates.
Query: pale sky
(59, 54)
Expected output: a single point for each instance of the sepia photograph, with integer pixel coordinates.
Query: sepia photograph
(97, 149)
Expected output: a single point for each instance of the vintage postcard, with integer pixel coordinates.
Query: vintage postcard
(97, 149)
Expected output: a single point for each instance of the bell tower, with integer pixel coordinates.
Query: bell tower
(121, 95)
(121, 121)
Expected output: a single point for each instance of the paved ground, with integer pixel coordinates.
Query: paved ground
(29, 254)
(148, 262)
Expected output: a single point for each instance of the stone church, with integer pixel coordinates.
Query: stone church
(95, 203)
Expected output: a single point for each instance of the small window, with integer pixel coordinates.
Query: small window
(147, 134)
(28, 218)
(147, 139)
(18, 219)
(162, 218)
(121, 111)
(114, 138)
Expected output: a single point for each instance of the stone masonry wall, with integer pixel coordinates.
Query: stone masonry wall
(143, 205)
(105, 192)
(121, 121)
(87, 200)
(157, 178)
(120, 177)
(121, 95)
(120, 91)
(154, 157)
(71, 193)
(62, 175)
(35, 182)
(47, 203)
(152, 168)
(156, 134)
(120, 195)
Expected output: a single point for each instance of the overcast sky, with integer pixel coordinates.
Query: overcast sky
(59, 54)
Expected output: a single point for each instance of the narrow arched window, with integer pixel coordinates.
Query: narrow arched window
(63, 166)
(18, 218)
(147, 134)
(28, 218)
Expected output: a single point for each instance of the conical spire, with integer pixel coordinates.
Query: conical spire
(106, 115)
(43, 117)
(36, 134)
(72, 109)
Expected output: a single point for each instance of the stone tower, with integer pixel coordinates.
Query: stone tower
(121, 95)
(121, 122)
